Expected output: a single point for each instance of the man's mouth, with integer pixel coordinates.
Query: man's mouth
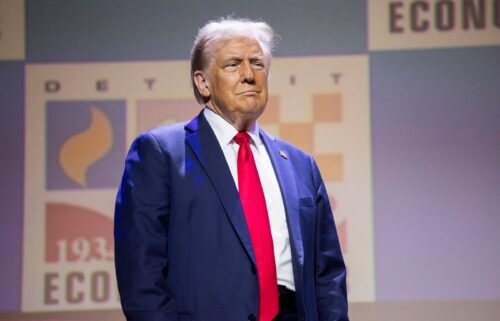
(248, 92)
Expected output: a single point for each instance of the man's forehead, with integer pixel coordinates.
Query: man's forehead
(240, 46)
(241, 54)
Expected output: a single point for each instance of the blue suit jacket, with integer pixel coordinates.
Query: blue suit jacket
(182, 247)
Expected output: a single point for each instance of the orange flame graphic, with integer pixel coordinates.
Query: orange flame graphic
(82, 150)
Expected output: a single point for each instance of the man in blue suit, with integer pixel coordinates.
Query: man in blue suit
(191, 240)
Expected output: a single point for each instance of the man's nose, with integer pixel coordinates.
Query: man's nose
(247, 72)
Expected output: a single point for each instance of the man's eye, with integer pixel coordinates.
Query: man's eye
(258, 64)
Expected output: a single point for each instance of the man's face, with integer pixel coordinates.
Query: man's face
(237, 81)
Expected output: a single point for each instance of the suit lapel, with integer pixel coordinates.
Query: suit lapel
(284, 170)
(202, 141)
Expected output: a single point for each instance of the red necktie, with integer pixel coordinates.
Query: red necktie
(254, 206)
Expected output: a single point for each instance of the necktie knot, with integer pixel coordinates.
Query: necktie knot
(242, 138)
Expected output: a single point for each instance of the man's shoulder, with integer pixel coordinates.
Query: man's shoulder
(285, 148)
(166, 137)
(167, 132)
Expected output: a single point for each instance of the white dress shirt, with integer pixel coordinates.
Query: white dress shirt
(225, 133)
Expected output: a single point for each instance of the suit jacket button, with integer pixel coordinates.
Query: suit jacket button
(254, 269)
(251, 317)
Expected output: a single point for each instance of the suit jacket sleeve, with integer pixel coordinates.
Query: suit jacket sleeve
(330, 271)
(141, 225)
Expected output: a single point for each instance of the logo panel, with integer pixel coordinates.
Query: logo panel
(75, 148)
(85, 140)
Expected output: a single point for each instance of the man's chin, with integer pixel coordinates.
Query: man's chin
(254, 110)
(253, 106)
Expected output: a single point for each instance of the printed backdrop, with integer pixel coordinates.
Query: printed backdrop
(397, 100)
(80, 123)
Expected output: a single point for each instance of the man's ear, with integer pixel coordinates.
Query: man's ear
(202, 83)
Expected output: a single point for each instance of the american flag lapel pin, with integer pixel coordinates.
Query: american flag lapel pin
(283, 154)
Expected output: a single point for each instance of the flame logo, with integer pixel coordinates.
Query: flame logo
(82, 150)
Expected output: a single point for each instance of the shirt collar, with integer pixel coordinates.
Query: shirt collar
(225, 132)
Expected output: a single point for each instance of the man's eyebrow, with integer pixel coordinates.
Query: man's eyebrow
(230, 58)
(237, 57)
(257, 56)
